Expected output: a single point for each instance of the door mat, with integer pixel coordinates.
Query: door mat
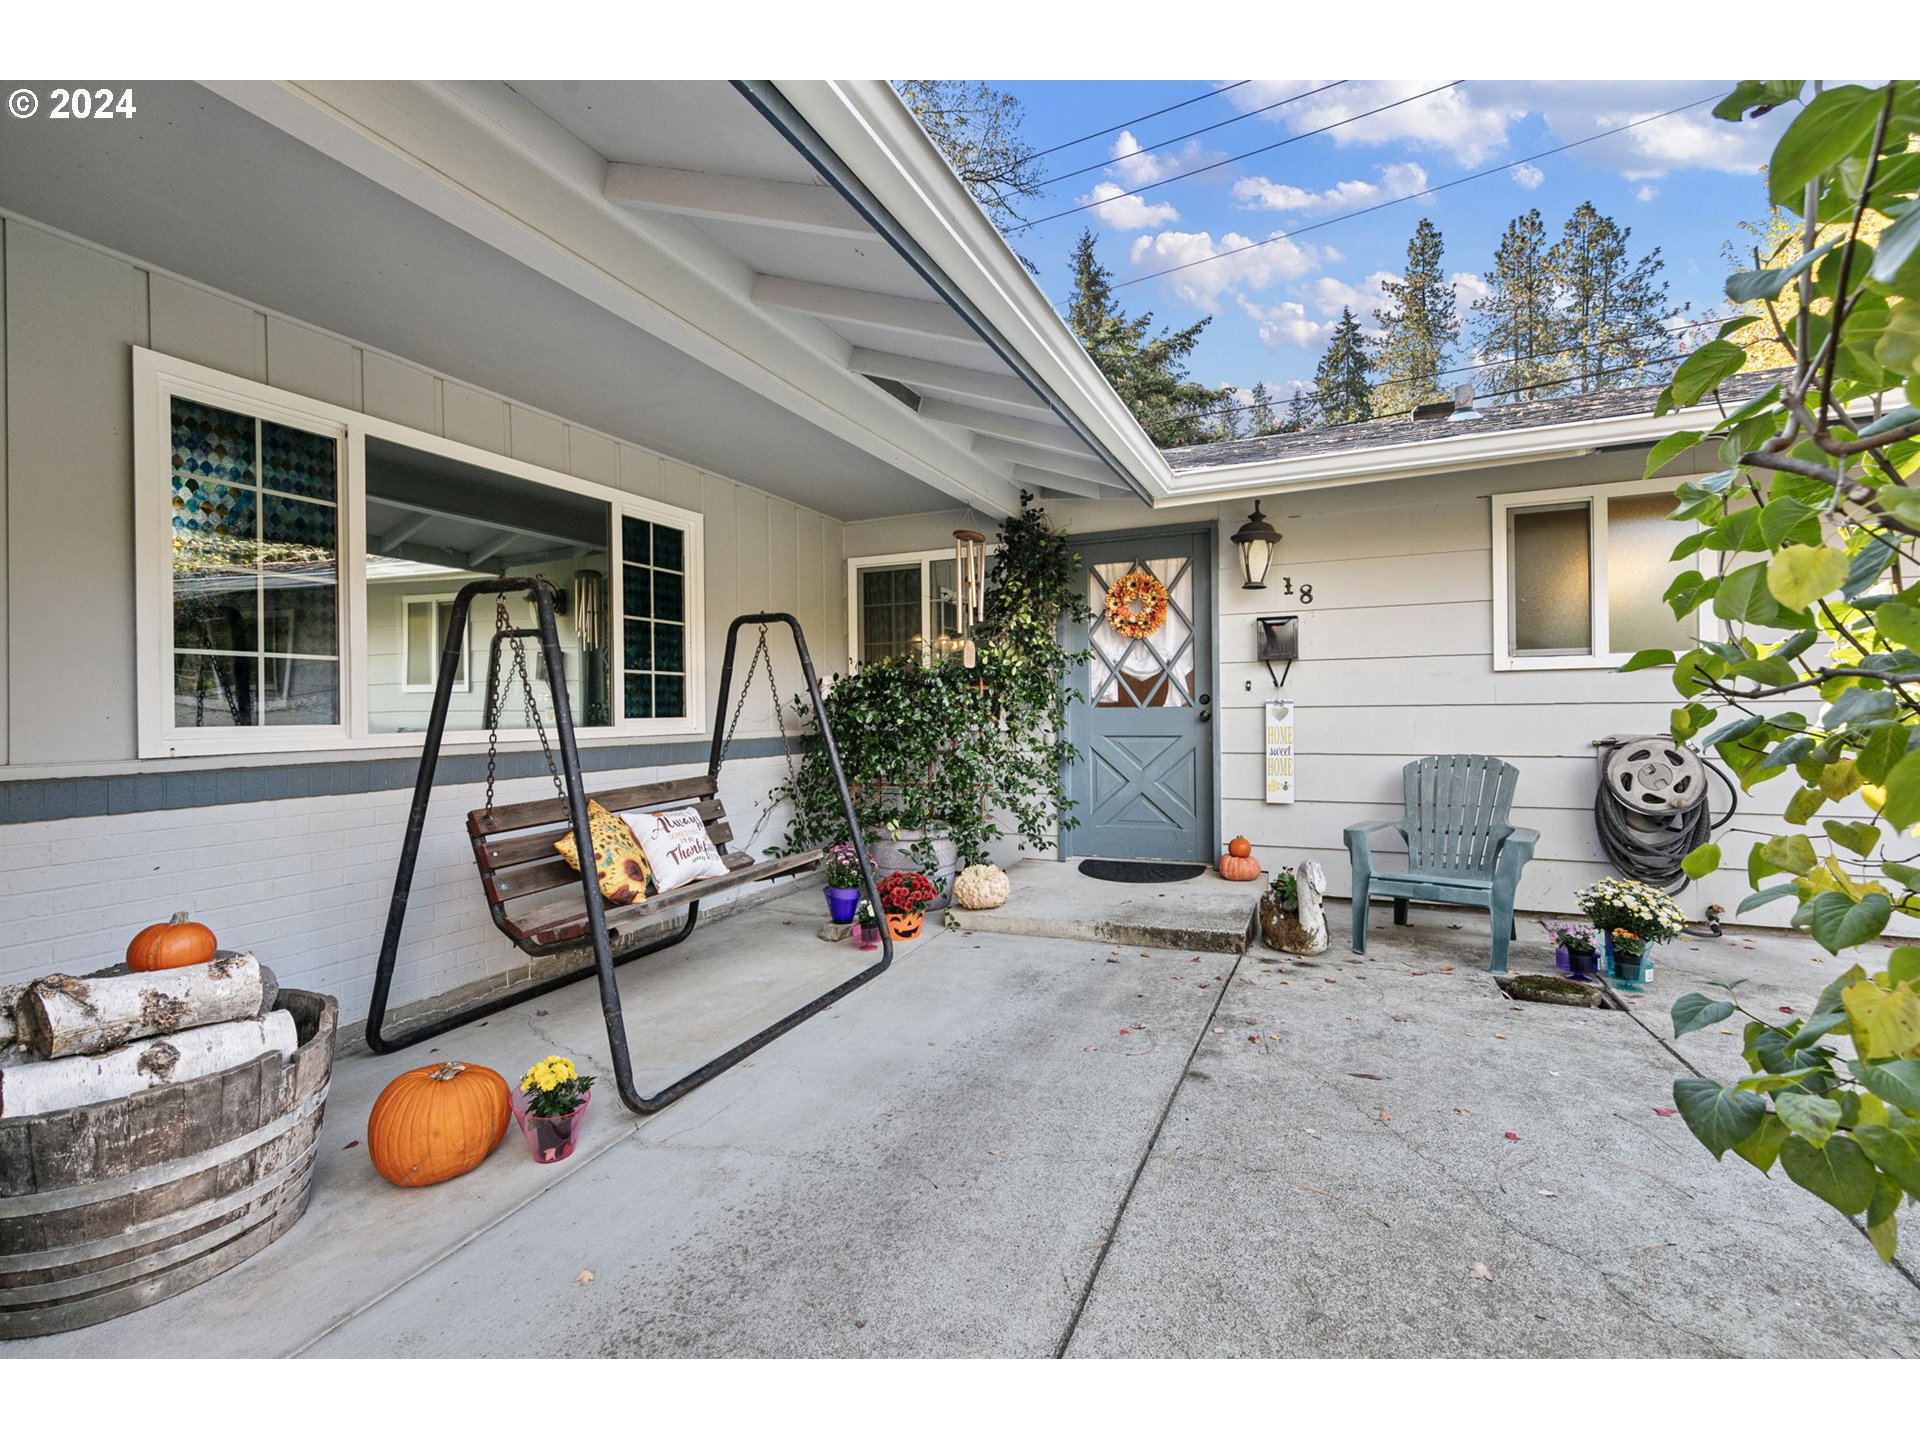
(1139, 872)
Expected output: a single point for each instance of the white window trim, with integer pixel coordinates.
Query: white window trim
(464, 681)
(926, 560)
(157, 378)
(1595, 497)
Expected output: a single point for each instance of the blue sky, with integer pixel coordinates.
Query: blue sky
(1681, 183)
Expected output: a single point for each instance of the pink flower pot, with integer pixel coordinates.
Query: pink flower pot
(550, 1138)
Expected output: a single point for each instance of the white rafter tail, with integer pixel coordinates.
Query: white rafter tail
(747, 199)
(955, 379)
(1046, 434)
(865, 307)
(1081, 468)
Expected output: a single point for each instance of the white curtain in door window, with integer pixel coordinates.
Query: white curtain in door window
(1156, 654)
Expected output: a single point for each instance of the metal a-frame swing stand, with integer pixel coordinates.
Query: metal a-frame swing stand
(574, 793)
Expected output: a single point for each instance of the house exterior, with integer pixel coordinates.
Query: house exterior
(285, 364)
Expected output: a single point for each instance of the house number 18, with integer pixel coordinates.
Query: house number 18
(1306, 590)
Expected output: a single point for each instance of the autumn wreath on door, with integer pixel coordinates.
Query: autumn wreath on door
(1136, 605)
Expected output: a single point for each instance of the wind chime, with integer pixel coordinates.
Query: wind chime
(590, 627)
(970, 586)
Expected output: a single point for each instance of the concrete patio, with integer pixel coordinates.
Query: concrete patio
(1038, 1146)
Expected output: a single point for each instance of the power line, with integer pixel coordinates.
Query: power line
(1235, 159)
(1230, 120)
(1399, 199)
(1195, 100)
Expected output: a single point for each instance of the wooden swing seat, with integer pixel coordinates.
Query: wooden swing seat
(535, 895)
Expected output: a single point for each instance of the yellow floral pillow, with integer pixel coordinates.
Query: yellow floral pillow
(624, 873)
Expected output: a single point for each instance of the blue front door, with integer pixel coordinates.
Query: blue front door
(1142, 784)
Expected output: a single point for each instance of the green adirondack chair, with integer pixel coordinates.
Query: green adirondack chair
(1460, 848)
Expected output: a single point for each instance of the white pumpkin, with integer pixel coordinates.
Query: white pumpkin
(981, 887)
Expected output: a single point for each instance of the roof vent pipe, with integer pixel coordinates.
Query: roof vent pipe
(1463, 404)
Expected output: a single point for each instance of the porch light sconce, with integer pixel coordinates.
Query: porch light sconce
(1279, 640)
(1256, 541)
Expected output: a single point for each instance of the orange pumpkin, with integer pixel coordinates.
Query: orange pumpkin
(1239, 867)
(437, 1122)
(1240, 847)
(174, 943)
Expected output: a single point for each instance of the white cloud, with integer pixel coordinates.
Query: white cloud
(1286, 325)
(1330, 296)
(1467, 288)
(1256, 192)
(1248, 269)
(1137, 167)
(1646, 193)
(1528, 177)
(1456, 121)
(1126, 212)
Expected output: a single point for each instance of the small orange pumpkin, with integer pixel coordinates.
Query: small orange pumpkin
(1239, 867)
(437, 1122)
(1240, 847)
(171, 944)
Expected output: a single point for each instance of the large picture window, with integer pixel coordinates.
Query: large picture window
(298, 564)
(1580, 576)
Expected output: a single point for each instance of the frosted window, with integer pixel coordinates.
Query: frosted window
(1552, 581)
(1640, 537)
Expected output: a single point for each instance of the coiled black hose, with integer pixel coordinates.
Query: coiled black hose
(1653, 856)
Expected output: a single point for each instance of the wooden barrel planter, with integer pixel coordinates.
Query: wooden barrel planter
(108, 1208)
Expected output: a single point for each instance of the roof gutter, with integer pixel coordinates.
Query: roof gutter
(867, 145)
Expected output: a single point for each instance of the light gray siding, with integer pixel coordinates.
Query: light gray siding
(1397, 662)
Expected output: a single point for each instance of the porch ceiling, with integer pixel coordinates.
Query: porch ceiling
(265, 195)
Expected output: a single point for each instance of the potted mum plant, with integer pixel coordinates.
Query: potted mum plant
(1574, 949)
(866, 927)
(549, 1105)
(842, 874)
(1631, 917)
(905, 895)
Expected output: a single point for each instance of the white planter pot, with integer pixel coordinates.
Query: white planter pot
(892, 853)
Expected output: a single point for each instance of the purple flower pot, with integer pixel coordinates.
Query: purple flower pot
(841, 904)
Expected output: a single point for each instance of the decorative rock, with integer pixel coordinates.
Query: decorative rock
(1302, 931)
(835, 933)
(981, 887)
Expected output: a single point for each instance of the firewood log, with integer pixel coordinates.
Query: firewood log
(9, 997)
(64, 1015)
(36, 1089)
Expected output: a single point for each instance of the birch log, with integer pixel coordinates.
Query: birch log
(49, 1085)
(73, 1015)
(9, 997)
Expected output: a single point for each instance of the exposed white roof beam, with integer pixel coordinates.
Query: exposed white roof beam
(401, 533)
(1028, 478)
(867, 307)
(782, 204)
(1044, 433)
(1087, 469)
(932, 375)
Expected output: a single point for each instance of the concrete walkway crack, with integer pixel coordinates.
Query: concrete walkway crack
(1147, 1151)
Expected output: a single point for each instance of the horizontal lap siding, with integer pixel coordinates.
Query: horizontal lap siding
(1396, 663)
(303, 882)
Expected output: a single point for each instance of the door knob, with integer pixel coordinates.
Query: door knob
(1206, 715)
(1206, 699)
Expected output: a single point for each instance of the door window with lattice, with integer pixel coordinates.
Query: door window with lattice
(1129, 669)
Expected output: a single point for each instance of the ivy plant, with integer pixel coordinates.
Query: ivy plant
(973, 754)
(1806, 552)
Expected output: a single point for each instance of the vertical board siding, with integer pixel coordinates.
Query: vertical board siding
(73, 316)
(309, 362)
(6, 607)
(208, 329)
(402, 393)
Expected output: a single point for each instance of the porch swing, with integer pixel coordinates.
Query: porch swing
(534, 896)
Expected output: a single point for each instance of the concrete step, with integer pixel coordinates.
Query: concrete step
(1052, 899)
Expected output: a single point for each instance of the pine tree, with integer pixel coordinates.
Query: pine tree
(1612, 306)
(1226, 420)
(1260, 412)
(1418, 327)
(1341, 379)
(1149, 372)
(1300, 410)
(1517, 324)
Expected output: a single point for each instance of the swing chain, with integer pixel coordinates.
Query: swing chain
(502, 625)
(760, 652)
